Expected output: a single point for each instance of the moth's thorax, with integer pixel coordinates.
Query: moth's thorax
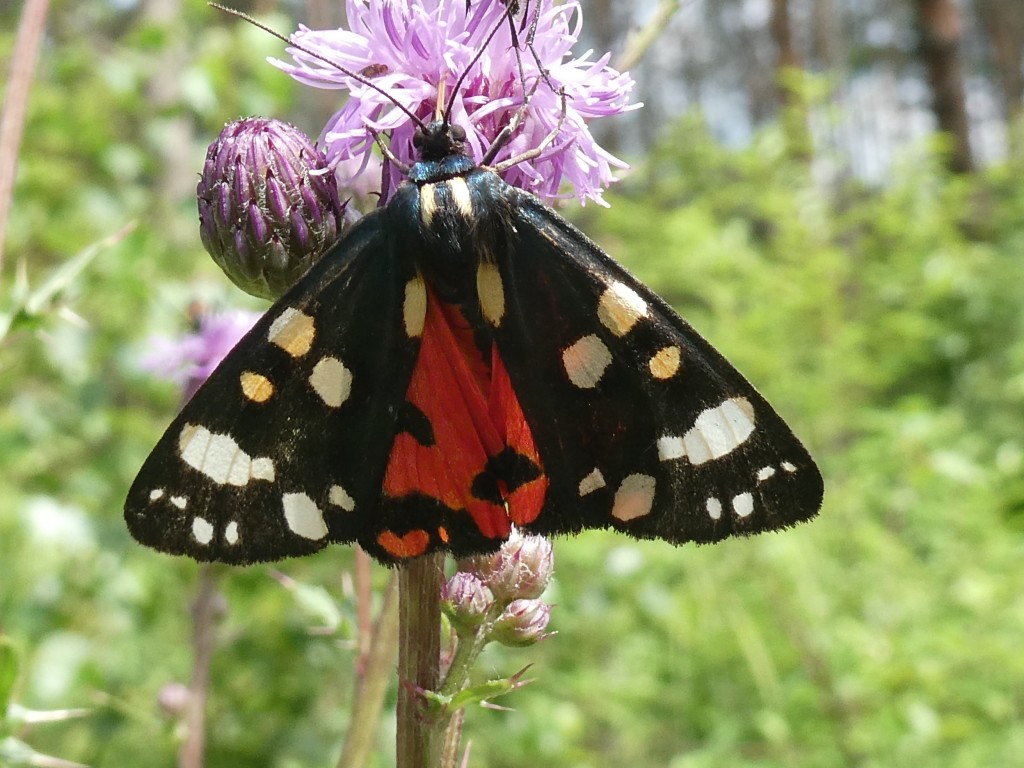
(462, 220)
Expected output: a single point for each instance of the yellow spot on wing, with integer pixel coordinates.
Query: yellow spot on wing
(620, 308)
(256, 387)
(665, 362)
(414, 308)
(292, 331)
(491, 292)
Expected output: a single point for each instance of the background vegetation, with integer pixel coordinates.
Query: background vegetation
(884, 320)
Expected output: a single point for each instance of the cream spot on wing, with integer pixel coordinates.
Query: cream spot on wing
(414, 308)
(202, 530)
(231, 533)
(303, 516)
(292, 331)
(743, 504)
(219, 457)
(460, 196)
(339, 497)
(764, 473)
(620, 308)
(156, 494)
(664, 364)
(491, 292)
(670, 447)
(719, 431)
(592, 482)
(256, 387)
(635, 497)
(332, 381)
(261, 468)
(179, 501)
(585, 361)
(714, 508)
(791, 468)
(428, 204)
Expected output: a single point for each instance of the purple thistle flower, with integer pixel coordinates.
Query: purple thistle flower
(268, 205)
(189, 360)
(407, 47)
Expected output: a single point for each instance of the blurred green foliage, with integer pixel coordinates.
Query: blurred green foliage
(884, 323)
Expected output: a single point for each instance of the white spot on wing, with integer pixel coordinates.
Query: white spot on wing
(156, 494)
(292, 331)
(714, 508)
(202, 530)
(585, 361)
(719, 431)
(743, 504)
(414, 308)
(303, 516)
(635, 497)
(620, 308)
(491, 292)
(231, 533)
(791, 468)
(179, 501)
(219, 457)
(332, 381)
(339, 497)
(764, 473)
(460, 196)
(670, 447)
(592, 482)
(262, 468)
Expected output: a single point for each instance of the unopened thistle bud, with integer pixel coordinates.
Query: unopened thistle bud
(522, 623)
(268, 205)
(520, 569)
(465, 599)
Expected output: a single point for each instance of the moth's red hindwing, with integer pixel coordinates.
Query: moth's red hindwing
(464, 449)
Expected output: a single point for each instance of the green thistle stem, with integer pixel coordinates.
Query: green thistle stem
(419, 741)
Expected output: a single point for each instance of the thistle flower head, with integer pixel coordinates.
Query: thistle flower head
(408, 49)
(268, 205)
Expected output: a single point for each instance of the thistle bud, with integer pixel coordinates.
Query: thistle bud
(268, 205)
(466, 600)
(520, 569)
(521, 623)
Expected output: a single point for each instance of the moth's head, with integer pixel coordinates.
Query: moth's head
(439, 139)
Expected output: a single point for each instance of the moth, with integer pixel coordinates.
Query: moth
(465, 360)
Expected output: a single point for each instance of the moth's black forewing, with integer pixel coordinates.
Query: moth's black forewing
(554, 276)
(354, 296)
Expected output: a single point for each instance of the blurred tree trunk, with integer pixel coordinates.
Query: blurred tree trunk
(827, 36)
(1004, 26)
(790, 94)
(941, 29)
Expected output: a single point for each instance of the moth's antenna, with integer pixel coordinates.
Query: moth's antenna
(344, 70)
(473, 63)
(513, 125)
